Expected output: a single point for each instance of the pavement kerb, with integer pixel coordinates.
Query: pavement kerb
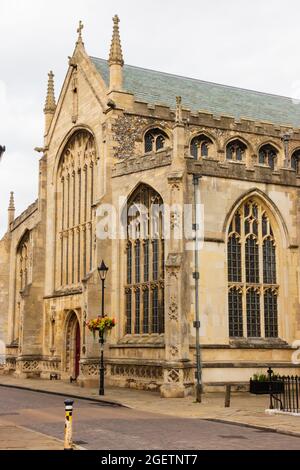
(52, 438)
(253, 426)
(65, 395)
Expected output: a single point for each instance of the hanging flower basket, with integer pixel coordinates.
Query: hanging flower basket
(103, 325)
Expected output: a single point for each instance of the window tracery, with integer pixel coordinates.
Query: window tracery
(252, 278)
(76, 221)
(155, 140)
(144, 289)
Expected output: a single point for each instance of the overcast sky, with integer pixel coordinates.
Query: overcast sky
(251, 44)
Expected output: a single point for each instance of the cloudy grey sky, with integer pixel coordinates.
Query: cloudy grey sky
(236, 42)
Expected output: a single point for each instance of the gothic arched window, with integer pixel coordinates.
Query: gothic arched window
(200, 146)
(155, 139)
(23, 279)
(75, 215)
(23, 262)
(252, 279)
(144, 289)
(235, 150)
(295, 161)
(267, 156)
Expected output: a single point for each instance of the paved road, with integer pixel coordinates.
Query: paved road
(105, 427)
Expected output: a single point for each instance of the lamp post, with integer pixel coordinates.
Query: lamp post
(2, 150)
(102, 271)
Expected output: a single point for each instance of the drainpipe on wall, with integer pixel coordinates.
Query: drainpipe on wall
(196, 276)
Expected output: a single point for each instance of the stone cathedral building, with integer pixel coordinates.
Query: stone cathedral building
(119, 132)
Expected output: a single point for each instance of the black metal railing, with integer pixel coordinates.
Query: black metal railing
(285, 393)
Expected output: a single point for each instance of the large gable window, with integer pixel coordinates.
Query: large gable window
(252, 278)
(76, 179)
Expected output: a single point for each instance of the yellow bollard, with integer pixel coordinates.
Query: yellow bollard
(68, 425)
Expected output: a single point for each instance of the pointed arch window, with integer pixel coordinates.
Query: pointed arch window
(295, 161)
(144, 289)
(267, 156)
(155, 140)
(23, 262)
(252, 274)
(76, 219)
(236, 150)
(200, 146)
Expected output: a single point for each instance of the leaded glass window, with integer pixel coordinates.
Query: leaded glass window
(267, 156)
(200, 146)
(137, 311)
(128, 310)
(271, 317)
(129, 263)
(160, 142)
(204, 149)
(155, 260)
(235, 305)
(75, 216)
(155, 140)
(149, 140)
(253, 313)
(155, 310)
(295, 161)
(235, 150)
(146, 311)
(234, 259)
(145, 263)
(23, 262)
(252, 261)
(137, 261)
(252, 273)
(269, 261)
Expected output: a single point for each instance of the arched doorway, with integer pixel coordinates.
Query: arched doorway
(73, 346)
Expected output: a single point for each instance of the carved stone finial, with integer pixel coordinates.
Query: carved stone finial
(50, 104)
(116, 55)
(11, 206)
(79, 31)
(11, 210)
(179, 109)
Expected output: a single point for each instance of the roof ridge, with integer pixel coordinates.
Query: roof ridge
(204, 81)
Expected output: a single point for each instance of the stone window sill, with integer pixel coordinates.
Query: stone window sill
(258, 343)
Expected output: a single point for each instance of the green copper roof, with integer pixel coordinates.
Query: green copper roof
(162, 88)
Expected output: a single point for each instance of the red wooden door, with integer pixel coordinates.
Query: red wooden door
(77, 351)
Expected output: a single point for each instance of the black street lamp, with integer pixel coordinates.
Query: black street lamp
(2, 150)
(102, 271)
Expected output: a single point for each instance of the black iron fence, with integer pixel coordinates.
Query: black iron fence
(286, 396)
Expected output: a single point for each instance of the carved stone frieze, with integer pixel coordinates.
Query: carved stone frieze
(173, 309)
(174, 376)
(137, 371)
